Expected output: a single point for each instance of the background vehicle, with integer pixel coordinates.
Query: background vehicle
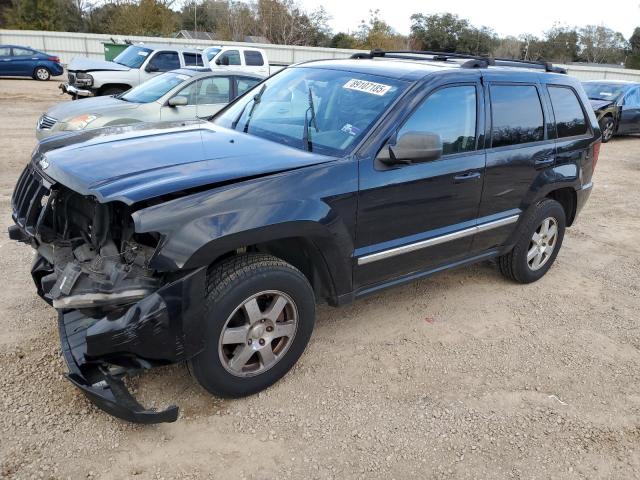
(245, 59)
(26, 62)
(177, 95)
(136, 64)
(617, 106)
(328, 181)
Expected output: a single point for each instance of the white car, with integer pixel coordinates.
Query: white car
(135, 65)
(244, 59)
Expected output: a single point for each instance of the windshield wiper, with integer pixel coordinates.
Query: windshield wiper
(256, 100)
(305, 135)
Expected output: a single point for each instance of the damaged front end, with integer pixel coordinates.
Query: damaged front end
(117, 315)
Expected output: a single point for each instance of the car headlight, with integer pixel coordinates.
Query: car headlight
(84, 79)
(80, 122)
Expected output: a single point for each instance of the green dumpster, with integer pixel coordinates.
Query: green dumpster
(112, 50)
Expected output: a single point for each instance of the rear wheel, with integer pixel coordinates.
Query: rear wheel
(260, 313)
(42, 74)
(607, 126)
(540, 237)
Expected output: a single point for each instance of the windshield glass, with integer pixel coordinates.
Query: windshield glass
(133, 56)
(211, 52)
(339, 108)
(604, 91)
(153, 89)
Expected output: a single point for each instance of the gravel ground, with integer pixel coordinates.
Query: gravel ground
(464, 375)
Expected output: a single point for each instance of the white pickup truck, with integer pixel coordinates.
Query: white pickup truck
(138, 63)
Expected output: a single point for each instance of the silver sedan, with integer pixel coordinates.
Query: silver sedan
(182, 94)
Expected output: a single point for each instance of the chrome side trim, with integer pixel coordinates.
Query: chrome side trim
(392, 252)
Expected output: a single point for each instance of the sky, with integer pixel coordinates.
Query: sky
(505, 18)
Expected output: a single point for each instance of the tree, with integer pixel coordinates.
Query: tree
(561, 44)
(376, 33)
(449, 33)
(508, 47)
(64, 15)
(599, 44)
(343, 40)
(633, 59)
(142, 17)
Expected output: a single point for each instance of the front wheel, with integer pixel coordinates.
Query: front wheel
(540, 237)
(608, 127)
(42, 74)
(259, 315)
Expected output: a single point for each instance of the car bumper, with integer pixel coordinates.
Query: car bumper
(74, 91)
(582, 195)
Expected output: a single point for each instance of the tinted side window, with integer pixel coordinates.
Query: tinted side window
(570, 119)
(245, 84)
(192, 59)
(516, 115)
(451, 113)
(5, 51)
(233, 56)
(165, 61)
(253, 58)
(632, 98)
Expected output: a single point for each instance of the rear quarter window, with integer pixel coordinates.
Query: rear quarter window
(253, 58)
(570, 119)
(516, 115)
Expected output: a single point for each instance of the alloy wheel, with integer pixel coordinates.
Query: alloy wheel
(42, 74)
(607, 132)
(542, 244)
(258, 333)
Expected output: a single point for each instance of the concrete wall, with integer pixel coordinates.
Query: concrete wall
(68, 45)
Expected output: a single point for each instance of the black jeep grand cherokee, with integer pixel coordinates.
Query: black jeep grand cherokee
(212, 242)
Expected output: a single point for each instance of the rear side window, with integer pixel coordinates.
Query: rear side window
(516, 115)
(451, 113)
(22, 52)
(253, 58)
(232, 55)
(570, 119)
(192, 60)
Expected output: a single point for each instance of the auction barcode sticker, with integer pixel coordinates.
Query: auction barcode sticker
(367, 87)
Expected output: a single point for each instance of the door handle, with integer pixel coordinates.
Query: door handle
(544, 162)
(466, 177)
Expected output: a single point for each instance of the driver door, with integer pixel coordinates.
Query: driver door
(630, 114)
(419, 216)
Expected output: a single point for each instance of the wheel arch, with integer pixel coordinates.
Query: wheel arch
(568, 198)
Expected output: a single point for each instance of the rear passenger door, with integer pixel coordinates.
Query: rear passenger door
(6, 61)
(520, 145)
(255, 62)
(24, 61)
(419, 216)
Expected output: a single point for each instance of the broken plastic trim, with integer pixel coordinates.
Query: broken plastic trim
(108, 392)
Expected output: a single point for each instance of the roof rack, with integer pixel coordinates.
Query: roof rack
(474, 61)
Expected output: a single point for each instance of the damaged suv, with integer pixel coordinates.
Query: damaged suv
(211, 242)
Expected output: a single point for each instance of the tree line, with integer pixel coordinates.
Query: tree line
(286, 22)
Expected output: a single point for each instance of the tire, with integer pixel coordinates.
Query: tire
(235, 361)
(111, 91)
(515, 265)
(42, 74)
(607, 126)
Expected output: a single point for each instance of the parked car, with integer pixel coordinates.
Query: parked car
(617, 106)
(135, 65)
(246, 59)
(331, 180)
(177, 95)
(17, 61)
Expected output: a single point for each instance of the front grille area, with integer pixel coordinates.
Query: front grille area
(30, 199)
(72, 78)
(46, 123)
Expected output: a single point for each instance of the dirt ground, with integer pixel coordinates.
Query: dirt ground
(464, 375)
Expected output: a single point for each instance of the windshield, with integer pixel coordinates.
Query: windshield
(211, 52)
(153, 89)
(604, 91)
(133, 56)
(339, 108)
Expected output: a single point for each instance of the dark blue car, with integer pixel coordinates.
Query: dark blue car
(17, 61)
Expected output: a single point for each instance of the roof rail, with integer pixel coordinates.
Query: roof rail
(474, 61)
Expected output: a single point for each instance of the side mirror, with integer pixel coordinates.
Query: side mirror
(178, 101)
(412, 147)
(151, 68)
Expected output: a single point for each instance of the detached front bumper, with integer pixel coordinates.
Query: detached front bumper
(74, 91)
(160, 329)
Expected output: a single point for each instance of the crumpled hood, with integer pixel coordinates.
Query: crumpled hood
(94, 105)
(598, 104)
(149, 160)
(83, 64)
